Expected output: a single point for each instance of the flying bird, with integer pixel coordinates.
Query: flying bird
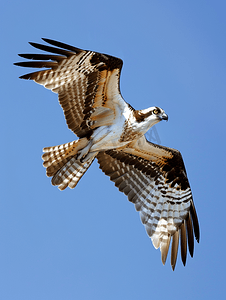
(109, 129)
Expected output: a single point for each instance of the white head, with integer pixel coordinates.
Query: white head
(150, 116)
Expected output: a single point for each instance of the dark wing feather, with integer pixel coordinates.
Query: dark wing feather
(62, 45)
(183, 240)
(87, 83)
(190, 234)
(50, 49)
(154, 179)
(37, 64)
(174, 249)
(41, 57)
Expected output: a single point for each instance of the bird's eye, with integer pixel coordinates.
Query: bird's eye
(156, 111)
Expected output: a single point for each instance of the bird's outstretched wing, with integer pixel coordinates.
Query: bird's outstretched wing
(87, 83)
(154, 179)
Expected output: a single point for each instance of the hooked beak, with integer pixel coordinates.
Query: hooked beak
(165, 117)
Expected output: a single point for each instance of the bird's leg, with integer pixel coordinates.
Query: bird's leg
(84, 152)
(89, 156)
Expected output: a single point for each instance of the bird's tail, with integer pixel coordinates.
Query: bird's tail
(61, 163)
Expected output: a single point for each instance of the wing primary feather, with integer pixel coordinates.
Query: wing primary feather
(30, 76)
(183, 241)
(164, 250)
(51, 49)
(195, 222)
(174, 249)
(190, 235)
(62, 45)
(42, 57)
(37, 64)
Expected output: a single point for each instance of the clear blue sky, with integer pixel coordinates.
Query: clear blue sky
(89, 243)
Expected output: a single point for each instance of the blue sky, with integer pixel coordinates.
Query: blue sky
(89, 243)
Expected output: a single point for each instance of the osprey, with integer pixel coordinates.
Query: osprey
(109, 129)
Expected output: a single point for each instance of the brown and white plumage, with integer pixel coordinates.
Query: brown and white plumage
(109, 129)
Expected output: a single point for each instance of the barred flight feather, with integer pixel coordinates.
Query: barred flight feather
(70, 174)
(55, 157)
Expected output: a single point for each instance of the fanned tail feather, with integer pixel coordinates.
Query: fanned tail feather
(70, 174)
(61, 163)
(56, 157)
